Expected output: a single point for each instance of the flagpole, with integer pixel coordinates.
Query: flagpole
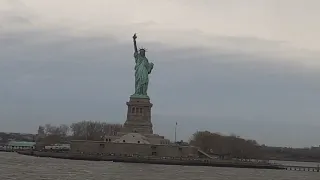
(175, 133)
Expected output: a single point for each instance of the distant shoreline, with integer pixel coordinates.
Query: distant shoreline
(295, 160)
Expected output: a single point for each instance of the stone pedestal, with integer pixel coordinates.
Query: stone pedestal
(138, 116)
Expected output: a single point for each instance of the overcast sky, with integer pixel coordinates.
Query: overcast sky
(245, 67)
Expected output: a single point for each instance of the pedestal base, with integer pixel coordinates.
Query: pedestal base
(138, 115)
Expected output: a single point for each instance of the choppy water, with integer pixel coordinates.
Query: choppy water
(18, 167)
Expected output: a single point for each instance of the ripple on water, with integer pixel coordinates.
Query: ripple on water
(18, 167)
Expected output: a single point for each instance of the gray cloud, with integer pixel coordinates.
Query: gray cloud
(14, 19)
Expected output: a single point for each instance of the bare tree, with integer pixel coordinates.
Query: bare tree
(53, 134)
(41, 130)
(63, 130)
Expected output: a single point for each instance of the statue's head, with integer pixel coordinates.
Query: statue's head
(142, 52)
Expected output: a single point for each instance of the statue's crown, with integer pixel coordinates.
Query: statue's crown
(143, 49)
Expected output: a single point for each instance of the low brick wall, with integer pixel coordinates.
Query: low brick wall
(138, 149)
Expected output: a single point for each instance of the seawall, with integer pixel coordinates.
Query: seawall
(153, 160)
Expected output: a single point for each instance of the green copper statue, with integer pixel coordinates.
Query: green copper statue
(142, 70)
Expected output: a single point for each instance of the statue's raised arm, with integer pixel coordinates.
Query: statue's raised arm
(135, 43)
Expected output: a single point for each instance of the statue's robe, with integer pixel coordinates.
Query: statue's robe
(142, 70)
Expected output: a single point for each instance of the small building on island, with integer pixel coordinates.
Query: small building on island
(17, 145)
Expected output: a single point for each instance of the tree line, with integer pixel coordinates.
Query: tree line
(236, 147)
(84, 130)
(226, 146)
(297, 154)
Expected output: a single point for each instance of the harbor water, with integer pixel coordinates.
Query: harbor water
(19, 167)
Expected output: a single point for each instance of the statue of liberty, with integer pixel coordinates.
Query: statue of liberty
(142, 70)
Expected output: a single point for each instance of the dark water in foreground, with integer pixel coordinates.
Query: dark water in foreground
(18, 167)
